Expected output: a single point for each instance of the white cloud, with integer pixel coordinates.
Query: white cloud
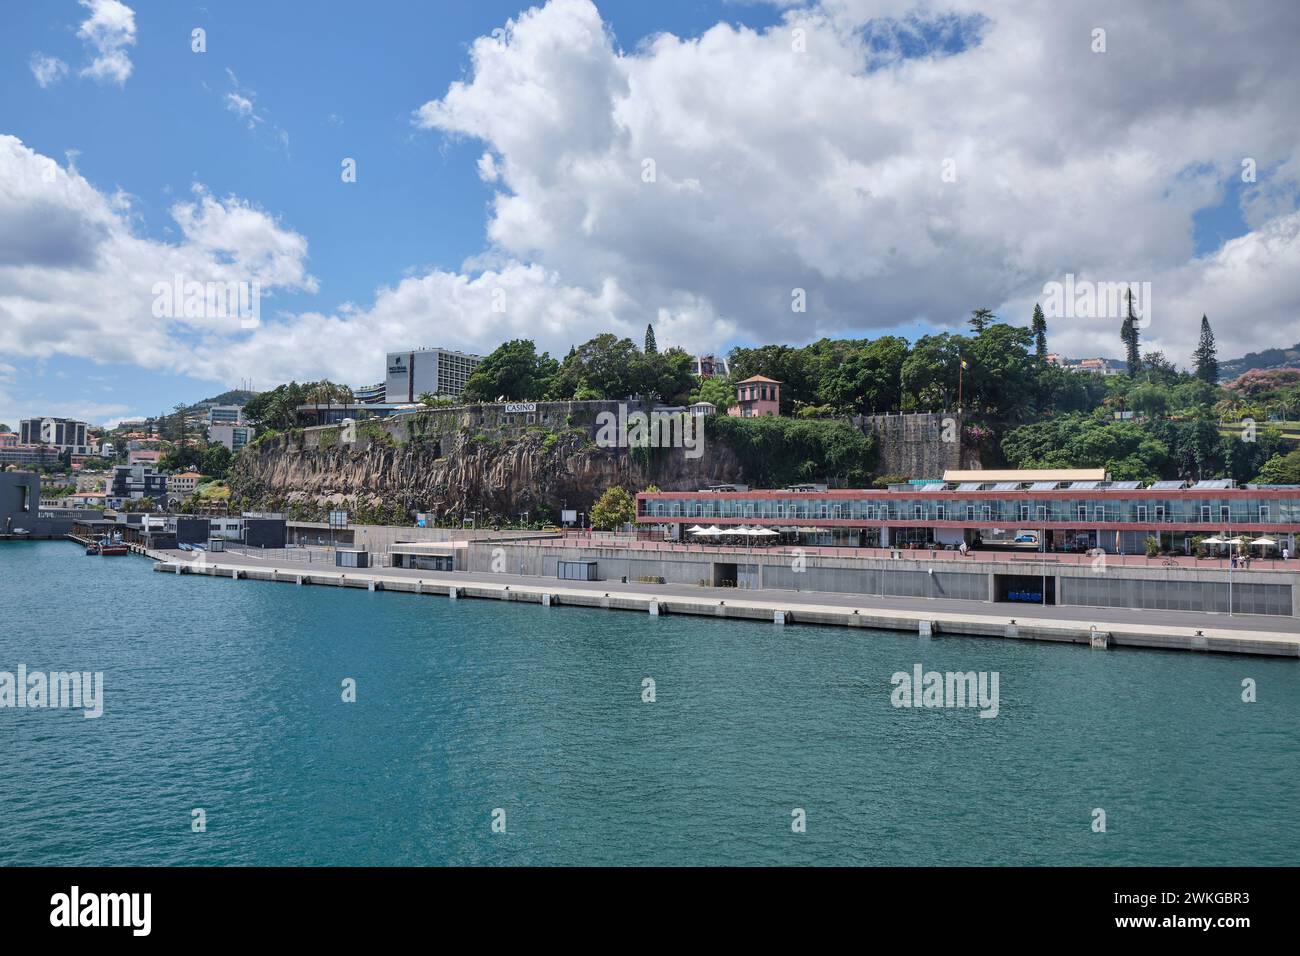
(243, 103)
(822, 169)
(76, 279)
(773, 170)
(470, 312)
(107, 32)
(48, 70)
(242, 106)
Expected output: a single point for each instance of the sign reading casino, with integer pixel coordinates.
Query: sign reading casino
(516, 407)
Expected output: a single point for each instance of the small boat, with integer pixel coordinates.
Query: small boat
(92, 549)
(114, 550)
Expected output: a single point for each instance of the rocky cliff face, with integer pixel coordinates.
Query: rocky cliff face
(385, 479)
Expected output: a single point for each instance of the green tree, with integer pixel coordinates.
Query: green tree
(603, 367)
(513, 371)
(981, 319)
(717, 390)
(614, 509)
(5, 428)
(1151, 400)
(216, 462)
(1039, 327)
(929, 373)
(1131, 338)
(868, 379)
(1281, 470)
(1207, 356)
(650, 345)
(1159, 370)
(1126, 449)
(999, 379)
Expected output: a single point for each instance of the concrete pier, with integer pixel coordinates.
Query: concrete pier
(1099, 628)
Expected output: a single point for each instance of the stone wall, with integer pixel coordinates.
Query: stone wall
(919, 445)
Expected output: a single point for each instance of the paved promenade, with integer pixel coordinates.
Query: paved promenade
(1018, 558)
(1113, 627)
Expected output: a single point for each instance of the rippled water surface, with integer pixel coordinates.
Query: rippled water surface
(227, 696)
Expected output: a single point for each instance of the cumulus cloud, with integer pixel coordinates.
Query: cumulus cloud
(76, 279)
(696, 182)
(107, 33)
(48, 70)
(812, 155)
(473, 313)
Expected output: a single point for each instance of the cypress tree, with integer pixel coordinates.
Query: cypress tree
(1207, 356)
(650, 346)
(1039, 327)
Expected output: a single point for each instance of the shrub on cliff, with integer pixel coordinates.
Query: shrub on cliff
(783, 451)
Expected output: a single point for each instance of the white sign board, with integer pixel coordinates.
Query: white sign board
(568, 517)
(514, 407)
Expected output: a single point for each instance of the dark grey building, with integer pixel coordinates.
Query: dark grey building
(20, 508)
(134, 482)
(20, 500)
(264, 532)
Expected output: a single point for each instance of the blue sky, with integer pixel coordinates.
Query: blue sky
(342, 80)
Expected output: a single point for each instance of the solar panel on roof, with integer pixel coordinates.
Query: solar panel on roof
(934, 486)
(969, 486)
(1043, 486)
(1083, 485)
(1166, 485)
(1214, 483)
(1006, 486)
(1124, 485)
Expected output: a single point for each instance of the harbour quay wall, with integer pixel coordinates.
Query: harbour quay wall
(1184, 588)
(770, 608)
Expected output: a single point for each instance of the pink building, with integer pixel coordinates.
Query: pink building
(756, 396)
(8, 439)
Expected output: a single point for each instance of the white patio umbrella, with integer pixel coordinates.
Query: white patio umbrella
(765, 532)
(695, 529)
(1213, 539)
(1265, 542)
(714, 531)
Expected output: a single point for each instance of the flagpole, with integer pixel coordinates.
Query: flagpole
(961, 366)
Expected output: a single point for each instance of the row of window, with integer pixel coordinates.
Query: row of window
(1155, 511)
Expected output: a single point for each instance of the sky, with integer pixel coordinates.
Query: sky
(556, 171)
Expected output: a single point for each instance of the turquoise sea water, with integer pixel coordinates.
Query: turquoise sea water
(227, 696)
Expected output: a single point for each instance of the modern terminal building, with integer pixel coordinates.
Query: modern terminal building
(1040, 510)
